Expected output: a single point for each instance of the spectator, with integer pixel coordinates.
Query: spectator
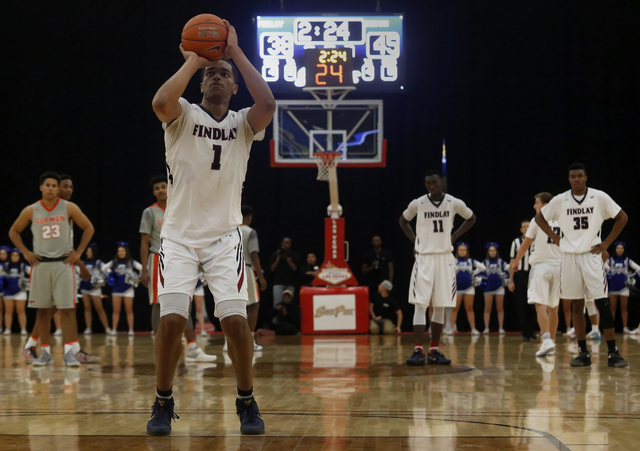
(286, 315)
(284, 266)
(309, 271)
(386, 315)
(377, 266)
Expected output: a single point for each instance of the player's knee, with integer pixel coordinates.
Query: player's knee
(438, 315)
(420, 315)
(174, 304)
(606, 317)
(228, 309)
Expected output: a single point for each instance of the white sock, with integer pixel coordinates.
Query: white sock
(31, 342)
(192, 346)
(595, 328)
(546, 336)
(46, 349)
(75, 347)
(68, 347)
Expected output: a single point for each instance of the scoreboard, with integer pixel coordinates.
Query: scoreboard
(363, 51)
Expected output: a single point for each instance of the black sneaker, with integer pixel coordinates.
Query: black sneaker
(250, 420)
(161, 415)
(437, 358)
(582, 359)
(416, 359)
(615, 360)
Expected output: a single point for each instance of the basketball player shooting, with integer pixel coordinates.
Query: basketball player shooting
(207, 150)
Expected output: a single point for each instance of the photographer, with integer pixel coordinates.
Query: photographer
(284, 266)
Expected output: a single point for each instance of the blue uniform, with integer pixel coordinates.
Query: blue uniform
(466, 269)
(496, 272)
(619, 268)
(117, 271)
(92, 265)
(13, 272)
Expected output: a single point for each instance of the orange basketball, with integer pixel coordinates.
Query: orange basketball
(206, 35)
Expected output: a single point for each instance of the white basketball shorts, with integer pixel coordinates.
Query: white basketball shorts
(252, 286)
(433, 279)
(152, 267)
(544, 285)
(222, 263)
(583, 276)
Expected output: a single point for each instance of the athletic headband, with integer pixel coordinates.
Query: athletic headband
(620, 243)
(491, 243)
(15, 249)
(462, 243)
(123, 244)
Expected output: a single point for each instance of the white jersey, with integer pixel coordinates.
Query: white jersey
(434, 222)
(206, 168)
(580, 219)
(543, 249)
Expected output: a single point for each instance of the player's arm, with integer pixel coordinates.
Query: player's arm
(621, 220)
(406, 228)
(144, 258)
(23, 220)
(166, 102)
(84, 272)
(83, 222)
(260, 114)
(255, 262)
(546, 228)
(464, 227)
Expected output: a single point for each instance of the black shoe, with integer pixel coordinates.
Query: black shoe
(161, 415)
(615, 360)
(250, 420)
(582, 359)
(416, 359)
(437, 358)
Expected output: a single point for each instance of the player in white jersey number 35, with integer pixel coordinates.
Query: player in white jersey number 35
(207, 151)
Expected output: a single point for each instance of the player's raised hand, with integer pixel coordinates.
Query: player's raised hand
(202, 61)
(232, 40)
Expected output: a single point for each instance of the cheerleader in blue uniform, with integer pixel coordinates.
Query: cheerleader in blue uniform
(496, 276)
(619, 268)
(4, 258)
(91, 290)
(16, 282)
(123, 275)
(467, 269)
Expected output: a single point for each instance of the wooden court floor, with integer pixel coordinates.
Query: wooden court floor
(329, 392)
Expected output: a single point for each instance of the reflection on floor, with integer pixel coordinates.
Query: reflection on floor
(329, 392)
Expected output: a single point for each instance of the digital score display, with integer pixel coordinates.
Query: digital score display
(331, 51)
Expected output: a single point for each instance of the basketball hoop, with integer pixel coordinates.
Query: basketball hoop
(326, 161)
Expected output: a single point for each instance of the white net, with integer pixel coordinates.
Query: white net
(324, 161)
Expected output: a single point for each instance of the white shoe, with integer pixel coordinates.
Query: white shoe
(87, 331)
(203, 333)
(224, 348)
(545, 348)
(58, 333)
(475, 332)
(626, 331)
(486, 331)
(199, 356)
(24, 332)
(257, 347)
(131, 333)
(570, 333)
(448, 332)
(501, 332)
(7, 332)
(108, 331)
(113, 332)
(635, 331)
(593, 335)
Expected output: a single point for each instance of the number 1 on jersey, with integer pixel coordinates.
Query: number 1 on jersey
(217, 150)
(436, 223)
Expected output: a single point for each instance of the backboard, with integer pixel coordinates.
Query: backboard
(352, 127)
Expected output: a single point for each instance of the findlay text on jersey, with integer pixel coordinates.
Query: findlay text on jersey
(437, 214)
(221, 134)
(579, 211)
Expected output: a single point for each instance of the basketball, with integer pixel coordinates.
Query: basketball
(206, 35)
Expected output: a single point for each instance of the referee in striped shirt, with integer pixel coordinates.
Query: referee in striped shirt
(526, 312)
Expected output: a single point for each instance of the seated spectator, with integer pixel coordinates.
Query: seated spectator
(386, 315)
(309, 270)
(286, 319)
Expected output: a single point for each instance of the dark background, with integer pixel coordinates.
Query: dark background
(519, 89)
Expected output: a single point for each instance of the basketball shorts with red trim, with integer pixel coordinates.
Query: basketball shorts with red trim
(583, 276)
(433, 279)
(52, 283)
(153, 265)
(222, 264)
(252, 286)
(544, 284)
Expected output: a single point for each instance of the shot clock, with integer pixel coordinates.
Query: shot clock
(363, 51)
